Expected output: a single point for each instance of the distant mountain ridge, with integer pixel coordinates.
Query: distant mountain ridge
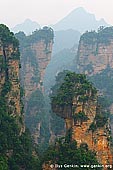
(81, 20)
(28, 26)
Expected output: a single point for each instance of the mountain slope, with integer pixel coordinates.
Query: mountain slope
(80, 20)
(28, 26)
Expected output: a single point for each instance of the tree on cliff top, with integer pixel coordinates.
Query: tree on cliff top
(6, 36)
(46, 34)
(104, 35)
(73, 85)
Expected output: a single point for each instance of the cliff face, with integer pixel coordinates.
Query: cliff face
(43, 55)
(95, 51)
(34, 69)
(95, 58)
(9, 76)
(98, 140)
(36, 52)
(77, 103)
(15, 141)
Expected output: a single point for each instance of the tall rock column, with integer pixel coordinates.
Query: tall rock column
(95, 59)
(36, 51)
(77, 102)
(95, 51)
(9, 74)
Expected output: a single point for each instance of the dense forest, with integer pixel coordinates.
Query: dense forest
(18, 151)
(65, 154)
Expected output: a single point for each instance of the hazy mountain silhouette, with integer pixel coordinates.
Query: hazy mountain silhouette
(65, 39)
(79, 19)
(28, 26)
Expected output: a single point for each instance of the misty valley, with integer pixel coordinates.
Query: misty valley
(56, 96)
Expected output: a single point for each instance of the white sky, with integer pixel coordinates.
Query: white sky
(47, 12)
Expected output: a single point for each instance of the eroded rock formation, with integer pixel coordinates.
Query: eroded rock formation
(9, 76)
(35, 56)
(95, 51)
(76, 102)
(98, 139)
(36, 51)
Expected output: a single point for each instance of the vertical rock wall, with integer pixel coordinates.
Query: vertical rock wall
(97, 140)
(95, 54)
(10, 81)
(95, 51)
(36, 51)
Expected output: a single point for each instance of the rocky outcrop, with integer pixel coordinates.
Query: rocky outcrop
(85, 116)
(33, 74)
(98, 139)
(35, 57)
(43, 53)
(36, 51)
(95, 51)
(9, 76)
(95, 54)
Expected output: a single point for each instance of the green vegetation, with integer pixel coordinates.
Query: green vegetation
(103, 36)
(65, 152)
(16, 148)
(46, 34)
(102, 113)
(100, 120)
(72, 86)
(36, 112)
(89, 37)
(6, 88)
(80, 117)
(63, 60)
(104, 83)
(7, 37)
(3, 163)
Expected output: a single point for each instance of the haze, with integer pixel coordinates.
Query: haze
(47, 12)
